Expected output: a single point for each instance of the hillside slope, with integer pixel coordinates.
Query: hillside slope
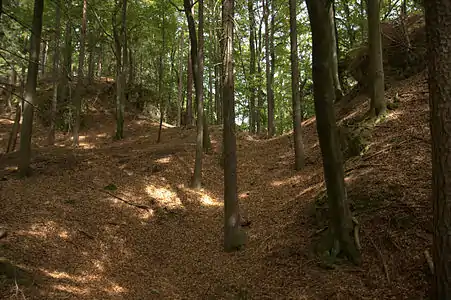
(115, 220)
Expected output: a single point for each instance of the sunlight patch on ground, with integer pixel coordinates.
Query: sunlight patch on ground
(164, 196)
(311, 188)
(353, 177)
(102, 135)
(71, 289)
(309, 121)
(42, 230)
(86, 146)
(201, 196)
(164, 160)
(291, 180)
(6, 122)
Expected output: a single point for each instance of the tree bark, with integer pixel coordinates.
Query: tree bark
(252, 83)
(299, 156)
(269, 77)
(56, 86)
(234, 237)
(180, 83)
(197, 55)
(30, 90)
(341, 225)
(44, 57)
(438, 30)
(258, 112)
(12, 85)
(378, 104)
(334, 53)
(189, 92)
(161, 94)
(80, 76)
(91, 60)
(67, 59)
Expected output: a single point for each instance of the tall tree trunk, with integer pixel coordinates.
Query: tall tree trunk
(80, 76)
(299, 156)
(197, 55)
(438, 30)
(123, 74)
(341, 224)
(12, 86)
(334, 53)
(252, 83)
(30, 89)
(378, 104)
(234, 237)
(44, 57)
(161, 94)
(56, 77)
(15, 130)
(258, 112)
(269, 91)
(180, 83)
(91, 60)
(67, 59)
(189, 92)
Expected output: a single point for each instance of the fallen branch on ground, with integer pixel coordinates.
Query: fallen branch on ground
(140, 206)
(384, 264)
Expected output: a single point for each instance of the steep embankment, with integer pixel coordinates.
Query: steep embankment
(115, 220)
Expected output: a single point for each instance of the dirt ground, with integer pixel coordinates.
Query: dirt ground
(116, 219)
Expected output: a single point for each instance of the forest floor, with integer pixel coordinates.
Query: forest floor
(116, 219)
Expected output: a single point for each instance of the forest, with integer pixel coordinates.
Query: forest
(222, 149)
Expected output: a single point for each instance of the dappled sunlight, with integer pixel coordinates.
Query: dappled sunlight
(6, 122)
(288, 181)
(164, 160)
(86, 146)
(312, 188)
(353, 177)
(308, 121)
(200, 195)
(164, 196)
(45, 230)
(71, 289)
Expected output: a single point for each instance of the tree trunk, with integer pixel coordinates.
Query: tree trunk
(252, 83)
(334, 53)
(44, 57)
(30, 90)
(56, 86)
(259, 76)
(180, 83)
(189, 92)
(234, 237)
(378, 104)
(67, 59)
(438, 30)
(197, 55)
(12, 85)
(15, 130)
(80, 76)
(91, 60)
(341, 225)
(123, 74)
(268, 52)
(299, 156)
(161, 94)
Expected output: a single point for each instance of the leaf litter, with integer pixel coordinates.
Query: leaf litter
(117, 220)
